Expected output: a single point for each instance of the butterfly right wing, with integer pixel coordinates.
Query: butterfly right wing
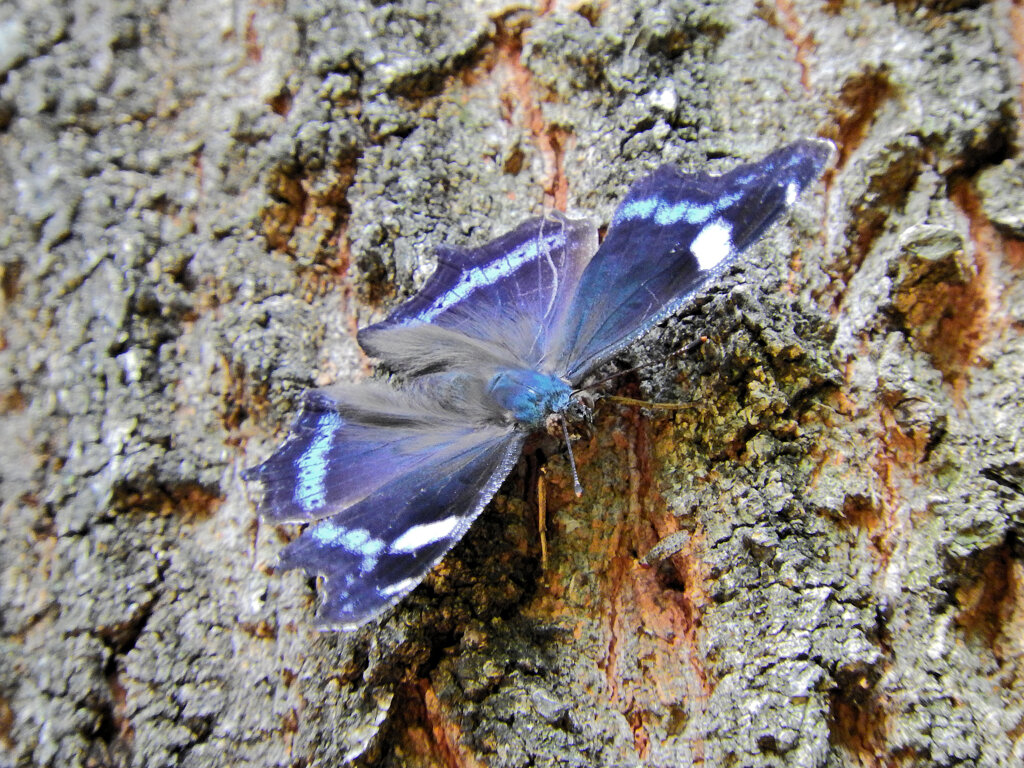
(390, 480)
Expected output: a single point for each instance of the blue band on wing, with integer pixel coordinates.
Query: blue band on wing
(485, 275)
(664, 212)
(673, 233)
(311, 467)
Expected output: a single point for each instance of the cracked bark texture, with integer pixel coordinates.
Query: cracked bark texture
(817, 564)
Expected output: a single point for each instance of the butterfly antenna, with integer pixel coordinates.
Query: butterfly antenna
(649, 405)
(684, 351)
(576, 485)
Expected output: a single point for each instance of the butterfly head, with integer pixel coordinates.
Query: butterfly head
(529, 396)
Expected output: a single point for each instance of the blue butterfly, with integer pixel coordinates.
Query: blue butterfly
(389, 479)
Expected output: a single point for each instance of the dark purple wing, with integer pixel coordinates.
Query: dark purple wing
(375, 552)
(672, 234)
(512, 293)
(391, 480)
(350, 441)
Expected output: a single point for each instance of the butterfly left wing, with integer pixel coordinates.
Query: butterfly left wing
(390, 479)
(671, 235)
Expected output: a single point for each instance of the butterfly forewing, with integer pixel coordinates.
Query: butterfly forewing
(376, 551)
(670, 236)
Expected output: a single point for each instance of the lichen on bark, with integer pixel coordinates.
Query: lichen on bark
(204, 200)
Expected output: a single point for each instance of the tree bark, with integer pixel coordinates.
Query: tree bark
(818, 563)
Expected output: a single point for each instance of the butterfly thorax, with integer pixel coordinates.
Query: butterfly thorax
(529, 396)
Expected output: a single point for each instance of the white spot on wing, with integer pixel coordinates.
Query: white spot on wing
(420, 536)
(398, 587)
(310, 492)
(791, 193)
(712, 245)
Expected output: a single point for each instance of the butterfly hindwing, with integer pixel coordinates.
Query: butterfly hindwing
(349, 441)
(511, 293)
(669, 237)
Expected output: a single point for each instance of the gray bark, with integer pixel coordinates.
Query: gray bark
(201, 202)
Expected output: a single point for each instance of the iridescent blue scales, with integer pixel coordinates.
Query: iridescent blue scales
(390, 478)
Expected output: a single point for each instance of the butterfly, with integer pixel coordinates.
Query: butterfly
(496, 342)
